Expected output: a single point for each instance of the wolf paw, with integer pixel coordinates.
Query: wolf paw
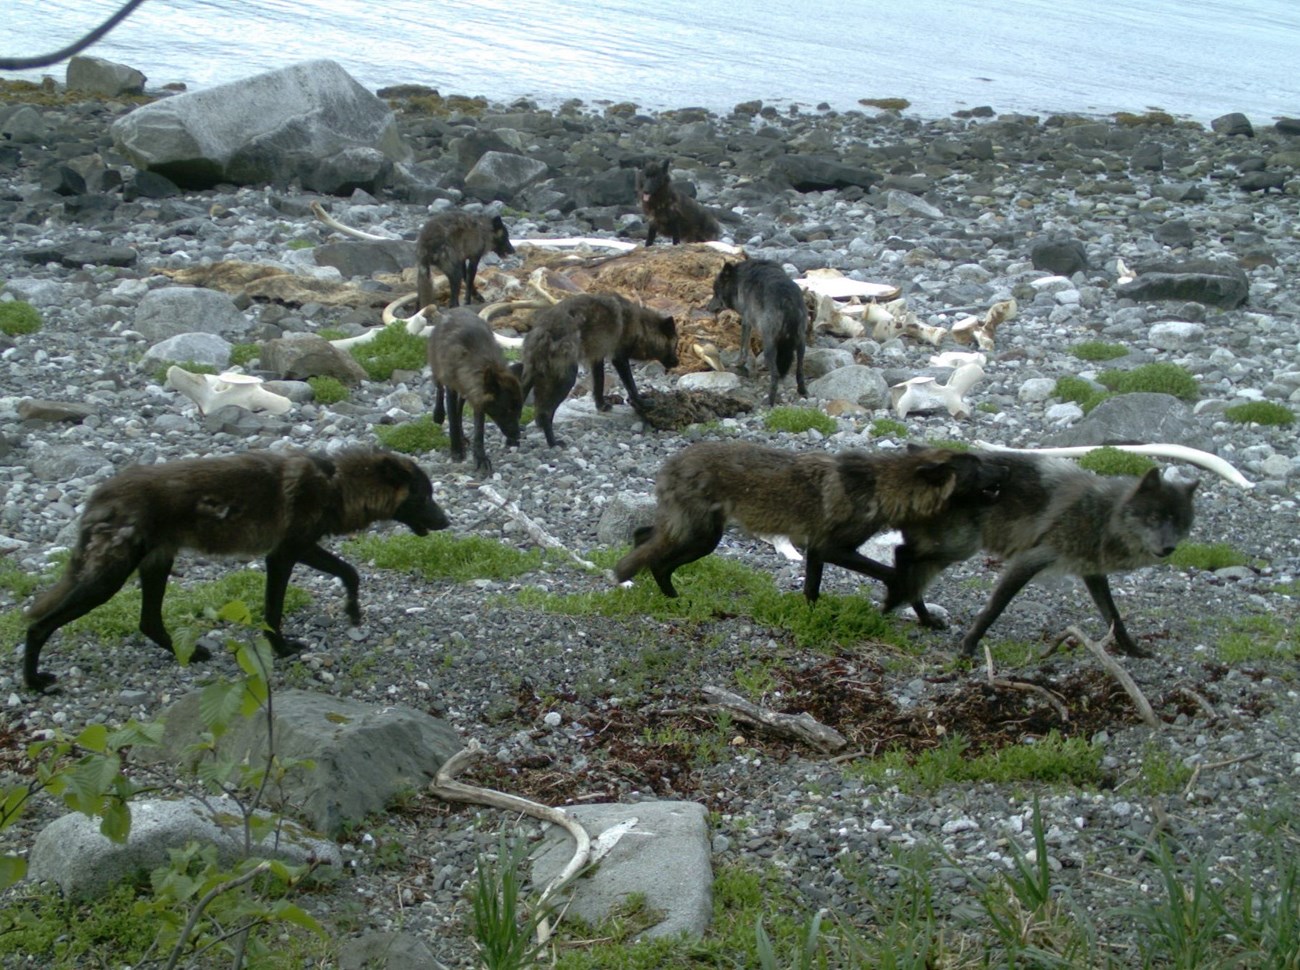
(43, 683)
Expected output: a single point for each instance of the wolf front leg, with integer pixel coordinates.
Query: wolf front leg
(1017, 574)
(1099, 589)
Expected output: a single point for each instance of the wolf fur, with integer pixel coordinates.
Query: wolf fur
(669, 210)
(469, 367)
(454, 242)
(828, 503)
(591, 328)
(1051, 515)
(272, 504)
(766, 298)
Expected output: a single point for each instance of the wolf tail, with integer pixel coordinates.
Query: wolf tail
(784, 357)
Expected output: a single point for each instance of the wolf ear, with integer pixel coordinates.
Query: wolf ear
(498, 224)
(394, 469)
(668, 326)
(663, 167)
(1151, 482)
(934, 472)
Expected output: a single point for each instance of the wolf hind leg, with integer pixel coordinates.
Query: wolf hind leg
(1099, 588)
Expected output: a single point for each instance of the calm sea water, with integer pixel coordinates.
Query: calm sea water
(1200, 58)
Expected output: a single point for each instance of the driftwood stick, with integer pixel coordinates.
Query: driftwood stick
(1116, 670)
(1051, 699)
(445, 787)
(800, 727)
(1211, 765)
(535, 531)
(1200, 702)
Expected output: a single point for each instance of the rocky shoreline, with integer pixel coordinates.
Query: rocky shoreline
(950, 211)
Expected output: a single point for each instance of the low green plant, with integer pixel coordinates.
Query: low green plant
(1098, 350)
(1113, 461)
(300, 244)
(1080, 392)
(1158, 378)
(794, 420)
(19, 318)
(1260, 412)
(328, 390)
(393, 348)
(442, 555)
(241, 355)
(1207, 556)
(417, 437)
(1052, 759)
(888, 428)
(1184, 926)
(506, 937)
(1254, 638)
(1160, 772)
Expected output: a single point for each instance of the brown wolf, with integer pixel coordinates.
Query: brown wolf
(454, 242)
(469, 367)
(1051, 515)
(591, 327)
(766, 298)
(278, 505)
(671, 211)
(828, 503)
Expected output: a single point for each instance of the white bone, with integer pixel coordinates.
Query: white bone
(212, 391)
(1193, 456)
(927, 394)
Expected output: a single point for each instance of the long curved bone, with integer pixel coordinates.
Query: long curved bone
(319, 211)
(212, 391)
(1193, 456)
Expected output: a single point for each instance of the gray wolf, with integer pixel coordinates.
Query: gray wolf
(828, 503)
(767, 299)
(260, 503)
(1050, 515)
(671, 211)
(454, 242)
(591, 328)
(469, 367)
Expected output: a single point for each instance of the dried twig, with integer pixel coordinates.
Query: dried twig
(1116, 670)
(1211, 765)
(801, 727)
(535, 531)
(1200, 702)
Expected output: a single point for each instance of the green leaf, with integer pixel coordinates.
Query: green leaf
(133, 733)
(219, 703)
(255, 658)
(89, 780)
(12, 869)
(14, 800)
(236, 611)
(116, 823)
(94, 738)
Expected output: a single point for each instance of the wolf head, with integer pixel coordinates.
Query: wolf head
(1157, 514)
(724, 290)
(652, 179)
(500, 238)
(379, 485)
(504, 401)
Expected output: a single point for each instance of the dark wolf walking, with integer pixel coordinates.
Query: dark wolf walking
(469, 367)
(1052, 515)
(766, 298)
(828, 503)
(454, 242)
(669, 210)
(272, 504)
(591, 328)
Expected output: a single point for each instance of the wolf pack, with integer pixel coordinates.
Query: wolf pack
(1034, 513)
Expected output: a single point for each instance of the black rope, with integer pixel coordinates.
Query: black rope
(23, 63)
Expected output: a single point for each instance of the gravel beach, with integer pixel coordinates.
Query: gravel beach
(568, 707)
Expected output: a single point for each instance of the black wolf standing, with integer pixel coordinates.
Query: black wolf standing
(591, 327)
(764, 296)
(454, 242)
(469, 367)
(267, 503)
(669, 210)
(828, 503)
(1051, 515)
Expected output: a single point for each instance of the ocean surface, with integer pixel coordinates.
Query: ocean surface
(1194, 58)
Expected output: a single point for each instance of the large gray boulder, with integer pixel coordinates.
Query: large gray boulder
(362, 755)
(301, 122)
(499, 175)
(174, 310)
(858, 383)
(1140, 418)
(106, 78)
(72, 852)
(1213, 282)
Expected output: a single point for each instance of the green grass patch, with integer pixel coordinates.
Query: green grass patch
(1079, 391)
(392, 349)
(1209, 556)
(18, 318)
(442, 555)
(1161, 378)
(794, 420)
(887, 427)
(328, 390)
(418, 437)
(1260, 412)
(43, 926)
(1113, 461)
(716, 586)
(1052, 759)
(1255, 638)
(241, 355)
(952, 444)
(1161, 773)
(300, 244)
(1098, 350)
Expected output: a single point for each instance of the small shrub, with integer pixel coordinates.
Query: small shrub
(1097, 350)
(1208, 556)
(1113, 461)
(952, 444)
(1260, 412)
(1081, 392)
(392, 349)
(328, 390)
(241, 355)
(1162, 378)
(888, 427)
(416, 437)
(794, 420)
(18, 317)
